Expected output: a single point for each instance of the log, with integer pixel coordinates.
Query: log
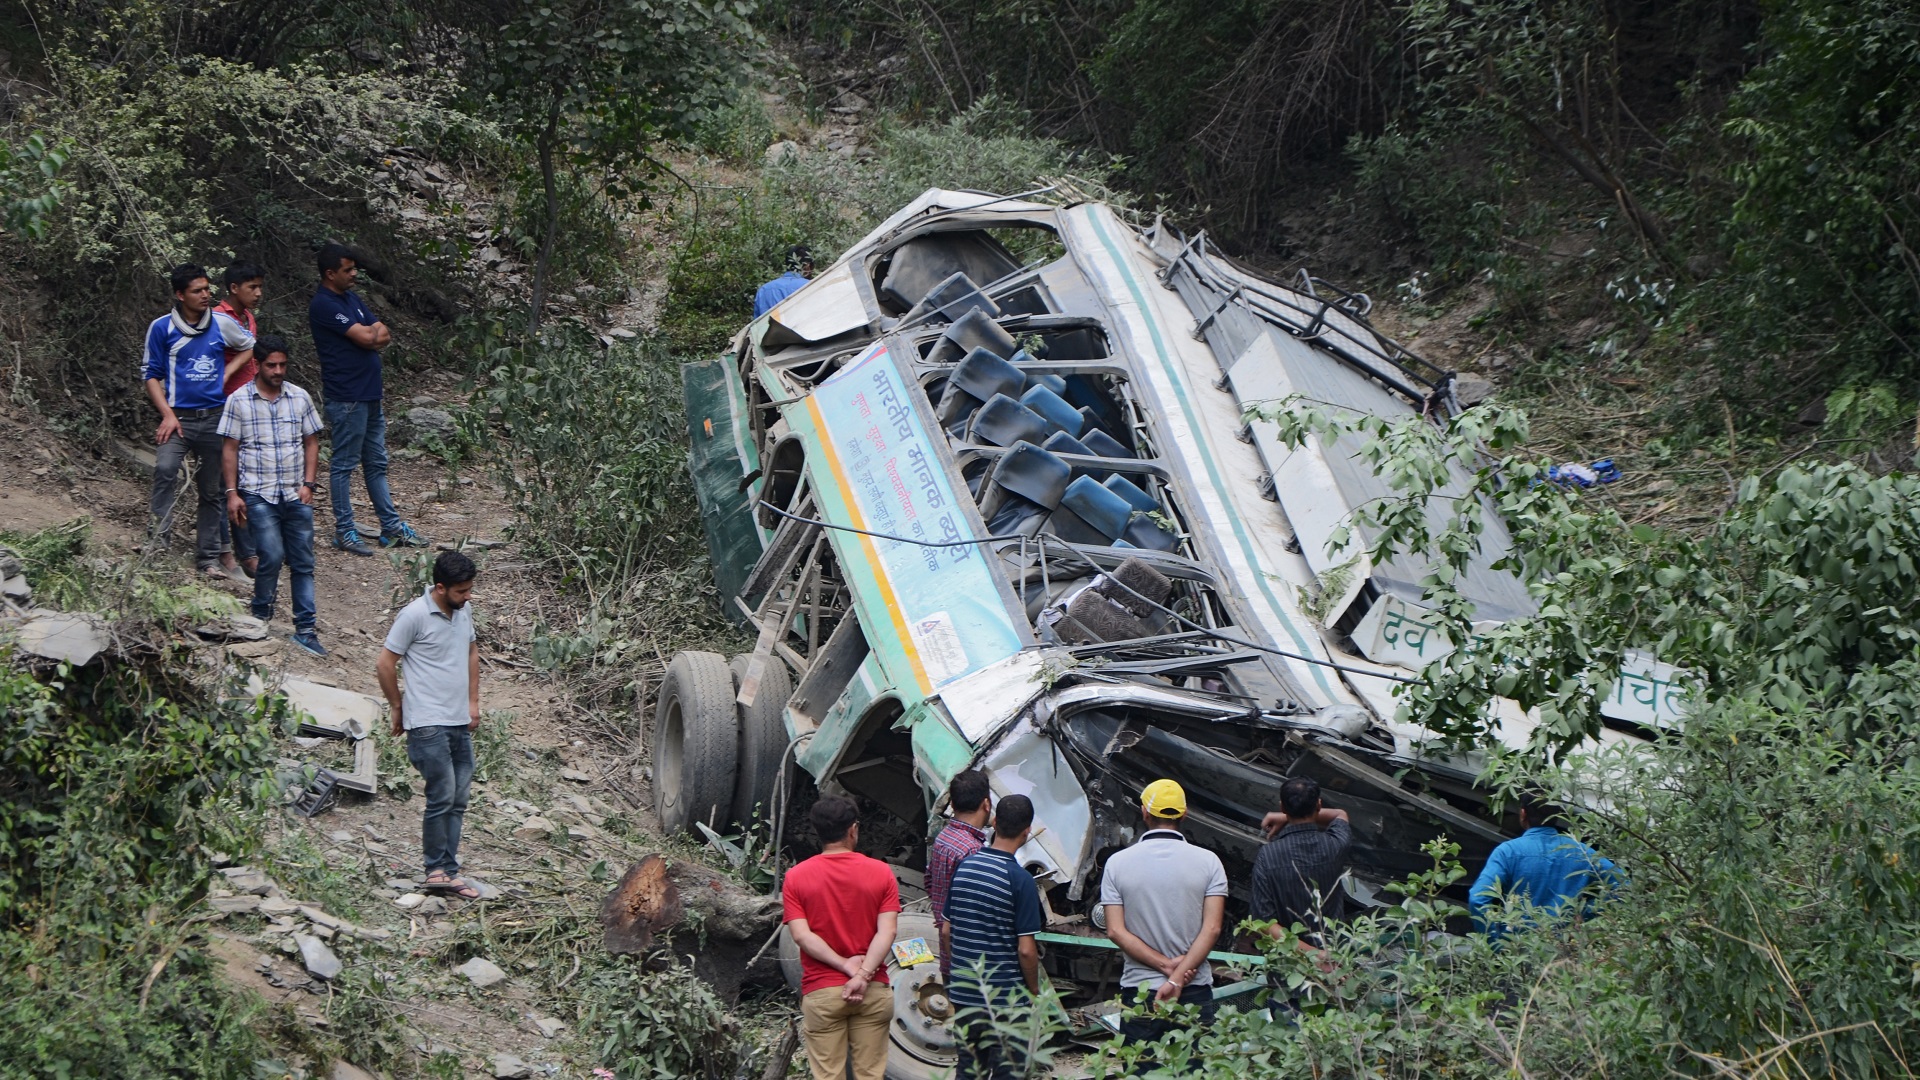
(694, 911)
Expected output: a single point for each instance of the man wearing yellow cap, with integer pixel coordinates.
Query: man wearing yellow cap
(1165, 901)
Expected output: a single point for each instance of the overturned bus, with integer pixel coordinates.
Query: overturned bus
(987, 493)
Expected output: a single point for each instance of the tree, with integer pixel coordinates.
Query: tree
(29, 184)
(595, 84)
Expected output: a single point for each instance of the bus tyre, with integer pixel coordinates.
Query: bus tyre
(763, 739)
(695, 743)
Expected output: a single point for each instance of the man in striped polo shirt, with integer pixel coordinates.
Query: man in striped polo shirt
(994, 908)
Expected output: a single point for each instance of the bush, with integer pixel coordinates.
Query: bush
(661, 1025)
(729, 247)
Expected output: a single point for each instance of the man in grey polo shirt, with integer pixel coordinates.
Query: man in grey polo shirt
(432, 643)
(1165, 901)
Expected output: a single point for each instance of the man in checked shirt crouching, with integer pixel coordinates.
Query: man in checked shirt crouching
(272, 453)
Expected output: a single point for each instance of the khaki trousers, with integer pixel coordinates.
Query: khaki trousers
(832, 1029)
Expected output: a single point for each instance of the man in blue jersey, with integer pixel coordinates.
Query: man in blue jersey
(799, 269)
(349, 339)
(189, 353)
(994, 909)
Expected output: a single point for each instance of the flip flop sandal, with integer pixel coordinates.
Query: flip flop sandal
(452, 885)
(216, 572)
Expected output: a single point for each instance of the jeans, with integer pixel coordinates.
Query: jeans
(1145, 1029)
(359, 438)
(283, 534)
(983, 1054)
(200, 437)
(237, 539)
(443, 754)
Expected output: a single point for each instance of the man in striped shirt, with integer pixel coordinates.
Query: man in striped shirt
(968, 799)
(995, 910)
(271, 456)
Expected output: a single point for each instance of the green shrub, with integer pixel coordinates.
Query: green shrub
(661, 1025)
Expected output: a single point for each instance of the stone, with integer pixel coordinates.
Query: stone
(320, 918)
(427, 401)
(549, 1027)
(534, 828)
(784, 152)
(340, 836)
(324, 933)
(425, 423)
(410, 901)
(1470, 389)
(432, 905)
(234, 905)
(234, 628)
(482, 972)
(486, 891)
(287, 946)
(581, 832)
(254, 650)
(509, 1067)
(16, 589)
(575, 775)
(278, 907)
(75, 638)
(403, 884)
(622, 333)
(245, 879)
(317, 957)
(343, 1071)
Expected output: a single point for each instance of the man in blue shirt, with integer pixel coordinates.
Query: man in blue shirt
(994, 909)
(185, 367)
(799, 269)
(1544, 865)
(349, 339)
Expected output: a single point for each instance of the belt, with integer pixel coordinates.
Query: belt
(195, 414)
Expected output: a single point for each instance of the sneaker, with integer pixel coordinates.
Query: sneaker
(306, 640)
(406, 537)
(350, 541)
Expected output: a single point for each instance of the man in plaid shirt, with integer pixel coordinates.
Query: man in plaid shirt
(968, 800)
(272, 453)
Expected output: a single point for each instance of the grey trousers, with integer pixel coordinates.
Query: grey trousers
(198, 436)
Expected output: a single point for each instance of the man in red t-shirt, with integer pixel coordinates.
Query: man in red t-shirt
(244, 282)
(843, 909)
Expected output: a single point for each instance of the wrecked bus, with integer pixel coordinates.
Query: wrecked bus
(986, 492)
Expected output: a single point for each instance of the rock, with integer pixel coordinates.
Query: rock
(343, 1071)
(234, 905)
(482, 972)
(424, 424)
(434, 174)
(254, 650)
(410, 901)
(549, 1027)
(581, 832)
(1471, 389)
(509, 1067)
(403, 884)
(16, 589)
(234, 628)
(340, 836)
(426, 400)
(432, 905)
(486, 891)
(75, 638)
(278, 907)
(10, 564)
(534, 828)
(320, 918)
(784, 152)
(622, 333)
(324, 933)
(317, 957)
(246, 879)
(575, 775)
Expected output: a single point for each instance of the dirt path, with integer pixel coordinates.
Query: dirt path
(559, 805)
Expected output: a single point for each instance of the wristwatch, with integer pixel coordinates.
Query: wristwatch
(309, 485)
